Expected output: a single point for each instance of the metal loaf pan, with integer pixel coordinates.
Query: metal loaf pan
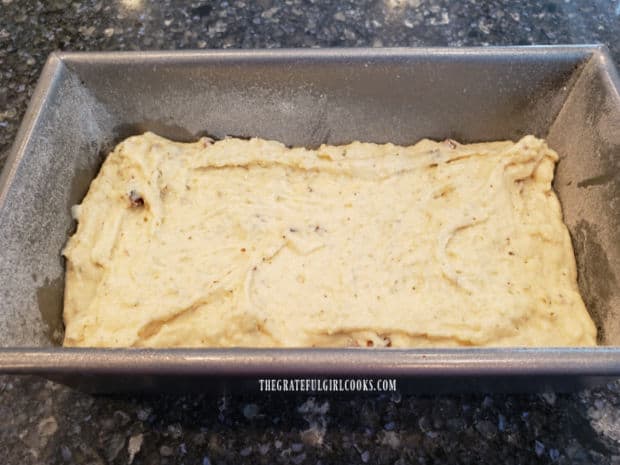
(86, 102)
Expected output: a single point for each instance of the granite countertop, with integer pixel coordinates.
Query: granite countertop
(44, 422)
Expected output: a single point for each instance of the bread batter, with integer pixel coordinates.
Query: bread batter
(251, 243)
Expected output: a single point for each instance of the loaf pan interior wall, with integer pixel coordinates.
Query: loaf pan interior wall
(586, 134)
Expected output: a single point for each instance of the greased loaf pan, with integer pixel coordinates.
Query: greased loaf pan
(86, 102)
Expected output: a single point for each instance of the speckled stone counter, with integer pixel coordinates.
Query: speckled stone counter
(43, 422)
